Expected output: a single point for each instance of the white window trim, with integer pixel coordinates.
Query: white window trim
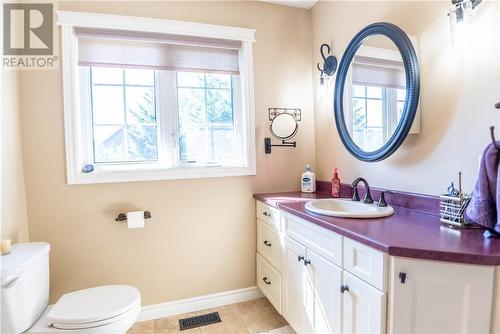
(73, 115)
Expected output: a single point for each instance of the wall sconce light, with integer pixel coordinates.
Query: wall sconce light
(461, 13)
(329, 64)
(462, 10)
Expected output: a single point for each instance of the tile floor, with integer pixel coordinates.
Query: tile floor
(255, 316)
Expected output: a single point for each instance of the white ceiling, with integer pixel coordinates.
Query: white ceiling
(294, 3)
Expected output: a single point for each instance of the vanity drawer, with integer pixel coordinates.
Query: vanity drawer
(269, 282)
(269, 244)
(322, 241)
(269, 214)
(366, 263)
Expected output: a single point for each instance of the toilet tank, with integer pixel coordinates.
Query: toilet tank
(25, 285)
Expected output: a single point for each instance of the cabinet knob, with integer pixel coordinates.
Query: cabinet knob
(306, 262)
(402, 277)
(267, 243)
(268, 282)
(267, 214)
(300, 258)
(344, 288)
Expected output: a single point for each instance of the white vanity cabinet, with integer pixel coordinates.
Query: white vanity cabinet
(364, 307)
(269, 253)
(323, 282)
(311, 290)
(440, 297)
(320, 295)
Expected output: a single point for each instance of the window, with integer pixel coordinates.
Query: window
(123, 104)
(153, 104)
(376, 113)
(377, 96)
(206, 117)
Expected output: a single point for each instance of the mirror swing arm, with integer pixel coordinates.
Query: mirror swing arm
(268, 145)
(273, 113)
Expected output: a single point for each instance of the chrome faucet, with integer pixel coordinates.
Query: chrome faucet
(368, 197)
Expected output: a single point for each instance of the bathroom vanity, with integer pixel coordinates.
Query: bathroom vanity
(400, 274)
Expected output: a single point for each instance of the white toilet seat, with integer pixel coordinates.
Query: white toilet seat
(99, 323)
(118, 327)
(105, 309)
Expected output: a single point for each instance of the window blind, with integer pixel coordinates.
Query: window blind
(116, 48)
(378, 72)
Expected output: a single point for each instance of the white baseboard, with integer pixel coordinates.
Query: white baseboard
(163, 310)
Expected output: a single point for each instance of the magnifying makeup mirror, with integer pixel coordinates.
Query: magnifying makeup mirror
(284, 126)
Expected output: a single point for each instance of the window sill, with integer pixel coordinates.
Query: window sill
(115, 176)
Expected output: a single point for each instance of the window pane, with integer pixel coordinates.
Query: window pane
(124, 131)
(374, 113)
(140, 105)
(107, 105)
(359, 113)
(401, 94)
(222, 144)
(358, 91)
(374, 92)
(219, 106)
(374, 139)
(206, 123)
(189, 79)
(193, 142)
(139, 77)
(107, 75)
(109, 144)
(359, 137)
(141, 143)
(218, 80)
(191, 106)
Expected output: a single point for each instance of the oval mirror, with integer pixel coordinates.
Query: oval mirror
(284, 126)
(376, 92)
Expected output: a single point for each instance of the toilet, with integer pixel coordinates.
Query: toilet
(25, 295)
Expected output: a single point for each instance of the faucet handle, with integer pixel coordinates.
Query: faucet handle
(355, 197)
(381, 202)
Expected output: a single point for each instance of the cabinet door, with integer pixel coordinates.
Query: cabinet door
(324, 302)
(440, 297)
(364, 307)
(296, 289)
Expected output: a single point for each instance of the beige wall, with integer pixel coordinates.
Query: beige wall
(202, 236)
(13, 212)
(459, 87)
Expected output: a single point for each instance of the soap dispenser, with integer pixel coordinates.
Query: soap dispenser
(308, 181)
(335, 184)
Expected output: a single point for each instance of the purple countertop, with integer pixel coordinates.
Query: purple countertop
(408, 233)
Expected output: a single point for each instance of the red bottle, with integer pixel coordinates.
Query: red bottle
(335, 184)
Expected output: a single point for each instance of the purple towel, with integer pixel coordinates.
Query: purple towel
(485, 202)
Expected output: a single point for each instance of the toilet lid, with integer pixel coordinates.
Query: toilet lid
(85, 308)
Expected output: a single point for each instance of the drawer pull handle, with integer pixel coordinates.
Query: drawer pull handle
(268, 282)
(402, 277)
(307, 262)
(267, 214)
(344, 288)
(267, 243)
(300, 258)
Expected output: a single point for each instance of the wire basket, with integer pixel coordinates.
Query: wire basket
(452, 209)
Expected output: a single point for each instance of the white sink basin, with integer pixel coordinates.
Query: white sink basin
(346, 208)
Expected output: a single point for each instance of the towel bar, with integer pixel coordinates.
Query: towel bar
(123, 216)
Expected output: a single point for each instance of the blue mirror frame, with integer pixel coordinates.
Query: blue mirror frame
(409, 56)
